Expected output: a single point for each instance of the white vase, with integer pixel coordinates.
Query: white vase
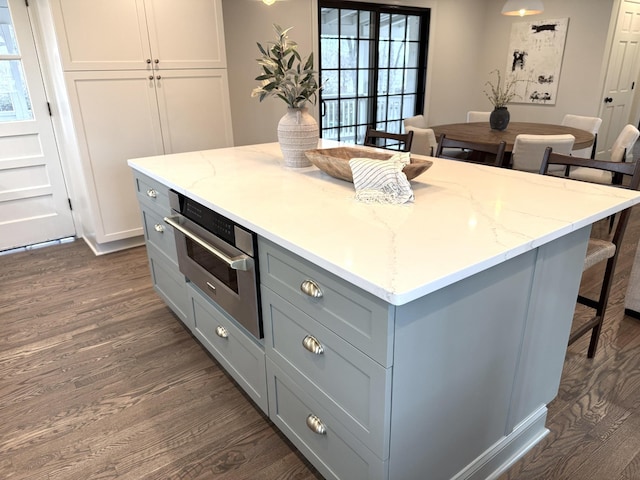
(297, 132)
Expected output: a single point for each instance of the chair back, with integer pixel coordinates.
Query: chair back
(475, 116)
(598, 250)
(624, 143)
(390, 141)
(528, 150)
(424, 140)
(418, 121)
(473, 151)
(590, 124)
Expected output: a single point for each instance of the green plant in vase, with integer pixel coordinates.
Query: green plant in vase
(285, 75)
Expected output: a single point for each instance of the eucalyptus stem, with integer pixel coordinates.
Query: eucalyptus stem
(284, 73)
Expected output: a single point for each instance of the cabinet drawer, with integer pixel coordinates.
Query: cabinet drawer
(241, 356)
(159, 234)
(353, 387)
(152, 194)
(360, 318)
(169, 283)
(337, 454)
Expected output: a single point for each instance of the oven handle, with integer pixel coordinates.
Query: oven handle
(241, 262)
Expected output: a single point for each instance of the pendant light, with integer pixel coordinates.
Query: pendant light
(522, 7)
(268, 2)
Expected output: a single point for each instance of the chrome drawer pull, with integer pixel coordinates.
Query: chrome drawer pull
(152, 193)
(311, 288)
(159, 228)
(222, 332)
(316, 425)
(312, 344)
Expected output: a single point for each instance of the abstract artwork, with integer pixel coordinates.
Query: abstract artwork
(535, 59)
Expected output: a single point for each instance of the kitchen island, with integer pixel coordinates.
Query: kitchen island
(444, 321)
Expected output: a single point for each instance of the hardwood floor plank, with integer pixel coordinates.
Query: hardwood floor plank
(99, 380)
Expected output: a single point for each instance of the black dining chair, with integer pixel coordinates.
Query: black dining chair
(485, 153)
(391, 141)
(598, 250)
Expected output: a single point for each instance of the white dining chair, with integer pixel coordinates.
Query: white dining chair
(590, 124)
(476, 116)
(424, 139)
(621, 147)
(528, 150)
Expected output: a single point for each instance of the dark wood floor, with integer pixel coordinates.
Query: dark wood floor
(99, 380)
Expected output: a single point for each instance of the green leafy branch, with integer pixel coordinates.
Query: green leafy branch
(284, 74)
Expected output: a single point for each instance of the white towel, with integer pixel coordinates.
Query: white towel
(381, 181)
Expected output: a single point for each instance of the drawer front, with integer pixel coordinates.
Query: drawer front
(336, 453)
(348, 383)
(159, 234)
(240, 355)
(152, 193)
(169, 283)
(361, 319)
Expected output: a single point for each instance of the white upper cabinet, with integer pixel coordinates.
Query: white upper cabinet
(139, 34)
(186, 34)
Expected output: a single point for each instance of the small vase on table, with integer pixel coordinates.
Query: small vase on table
(499, 118)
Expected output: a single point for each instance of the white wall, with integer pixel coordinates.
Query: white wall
(468, 39)
(245, 23)
(585, 55)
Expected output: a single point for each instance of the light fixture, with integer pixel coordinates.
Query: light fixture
(268, 2)
(522, 7)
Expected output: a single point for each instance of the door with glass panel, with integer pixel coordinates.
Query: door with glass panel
(372, 65)
(34, 205)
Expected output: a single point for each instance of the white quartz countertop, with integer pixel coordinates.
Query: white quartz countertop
(465, 217)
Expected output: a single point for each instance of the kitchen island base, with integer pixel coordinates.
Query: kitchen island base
(410, 342)
(472, 367)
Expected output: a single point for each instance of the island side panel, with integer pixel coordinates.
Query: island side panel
(455, 357)
(553, 301)
(478, 359)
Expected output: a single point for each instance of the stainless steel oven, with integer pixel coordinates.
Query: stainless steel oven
(219, 256)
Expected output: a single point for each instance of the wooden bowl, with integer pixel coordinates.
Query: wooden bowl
(335, 161)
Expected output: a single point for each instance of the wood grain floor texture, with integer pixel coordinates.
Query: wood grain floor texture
(98, 380)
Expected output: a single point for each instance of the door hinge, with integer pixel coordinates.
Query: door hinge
(49, 108)
(70, 207)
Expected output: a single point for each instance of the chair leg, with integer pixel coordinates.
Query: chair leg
(600, 306)
(595, 336)
(612, 219)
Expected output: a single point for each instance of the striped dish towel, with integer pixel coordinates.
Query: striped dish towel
(381, 181)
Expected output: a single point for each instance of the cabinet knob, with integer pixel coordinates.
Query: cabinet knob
(148, 60)
(158, 77)
(159, 228)
(316, 425)
(222, 332)
(156, 61)
(312, 344)
(151, 192)
(150, 77)
(311, 288)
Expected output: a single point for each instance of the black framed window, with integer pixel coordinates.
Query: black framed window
(373, 66)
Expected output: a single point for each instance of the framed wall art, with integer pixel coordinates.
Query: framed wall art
(535, 59)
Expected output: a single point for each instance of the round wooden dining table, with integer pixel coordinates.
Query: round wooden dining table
(481, 132)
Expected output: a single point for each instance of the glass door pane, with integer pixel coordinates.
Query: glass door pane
(372, 65)
(15, 104)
